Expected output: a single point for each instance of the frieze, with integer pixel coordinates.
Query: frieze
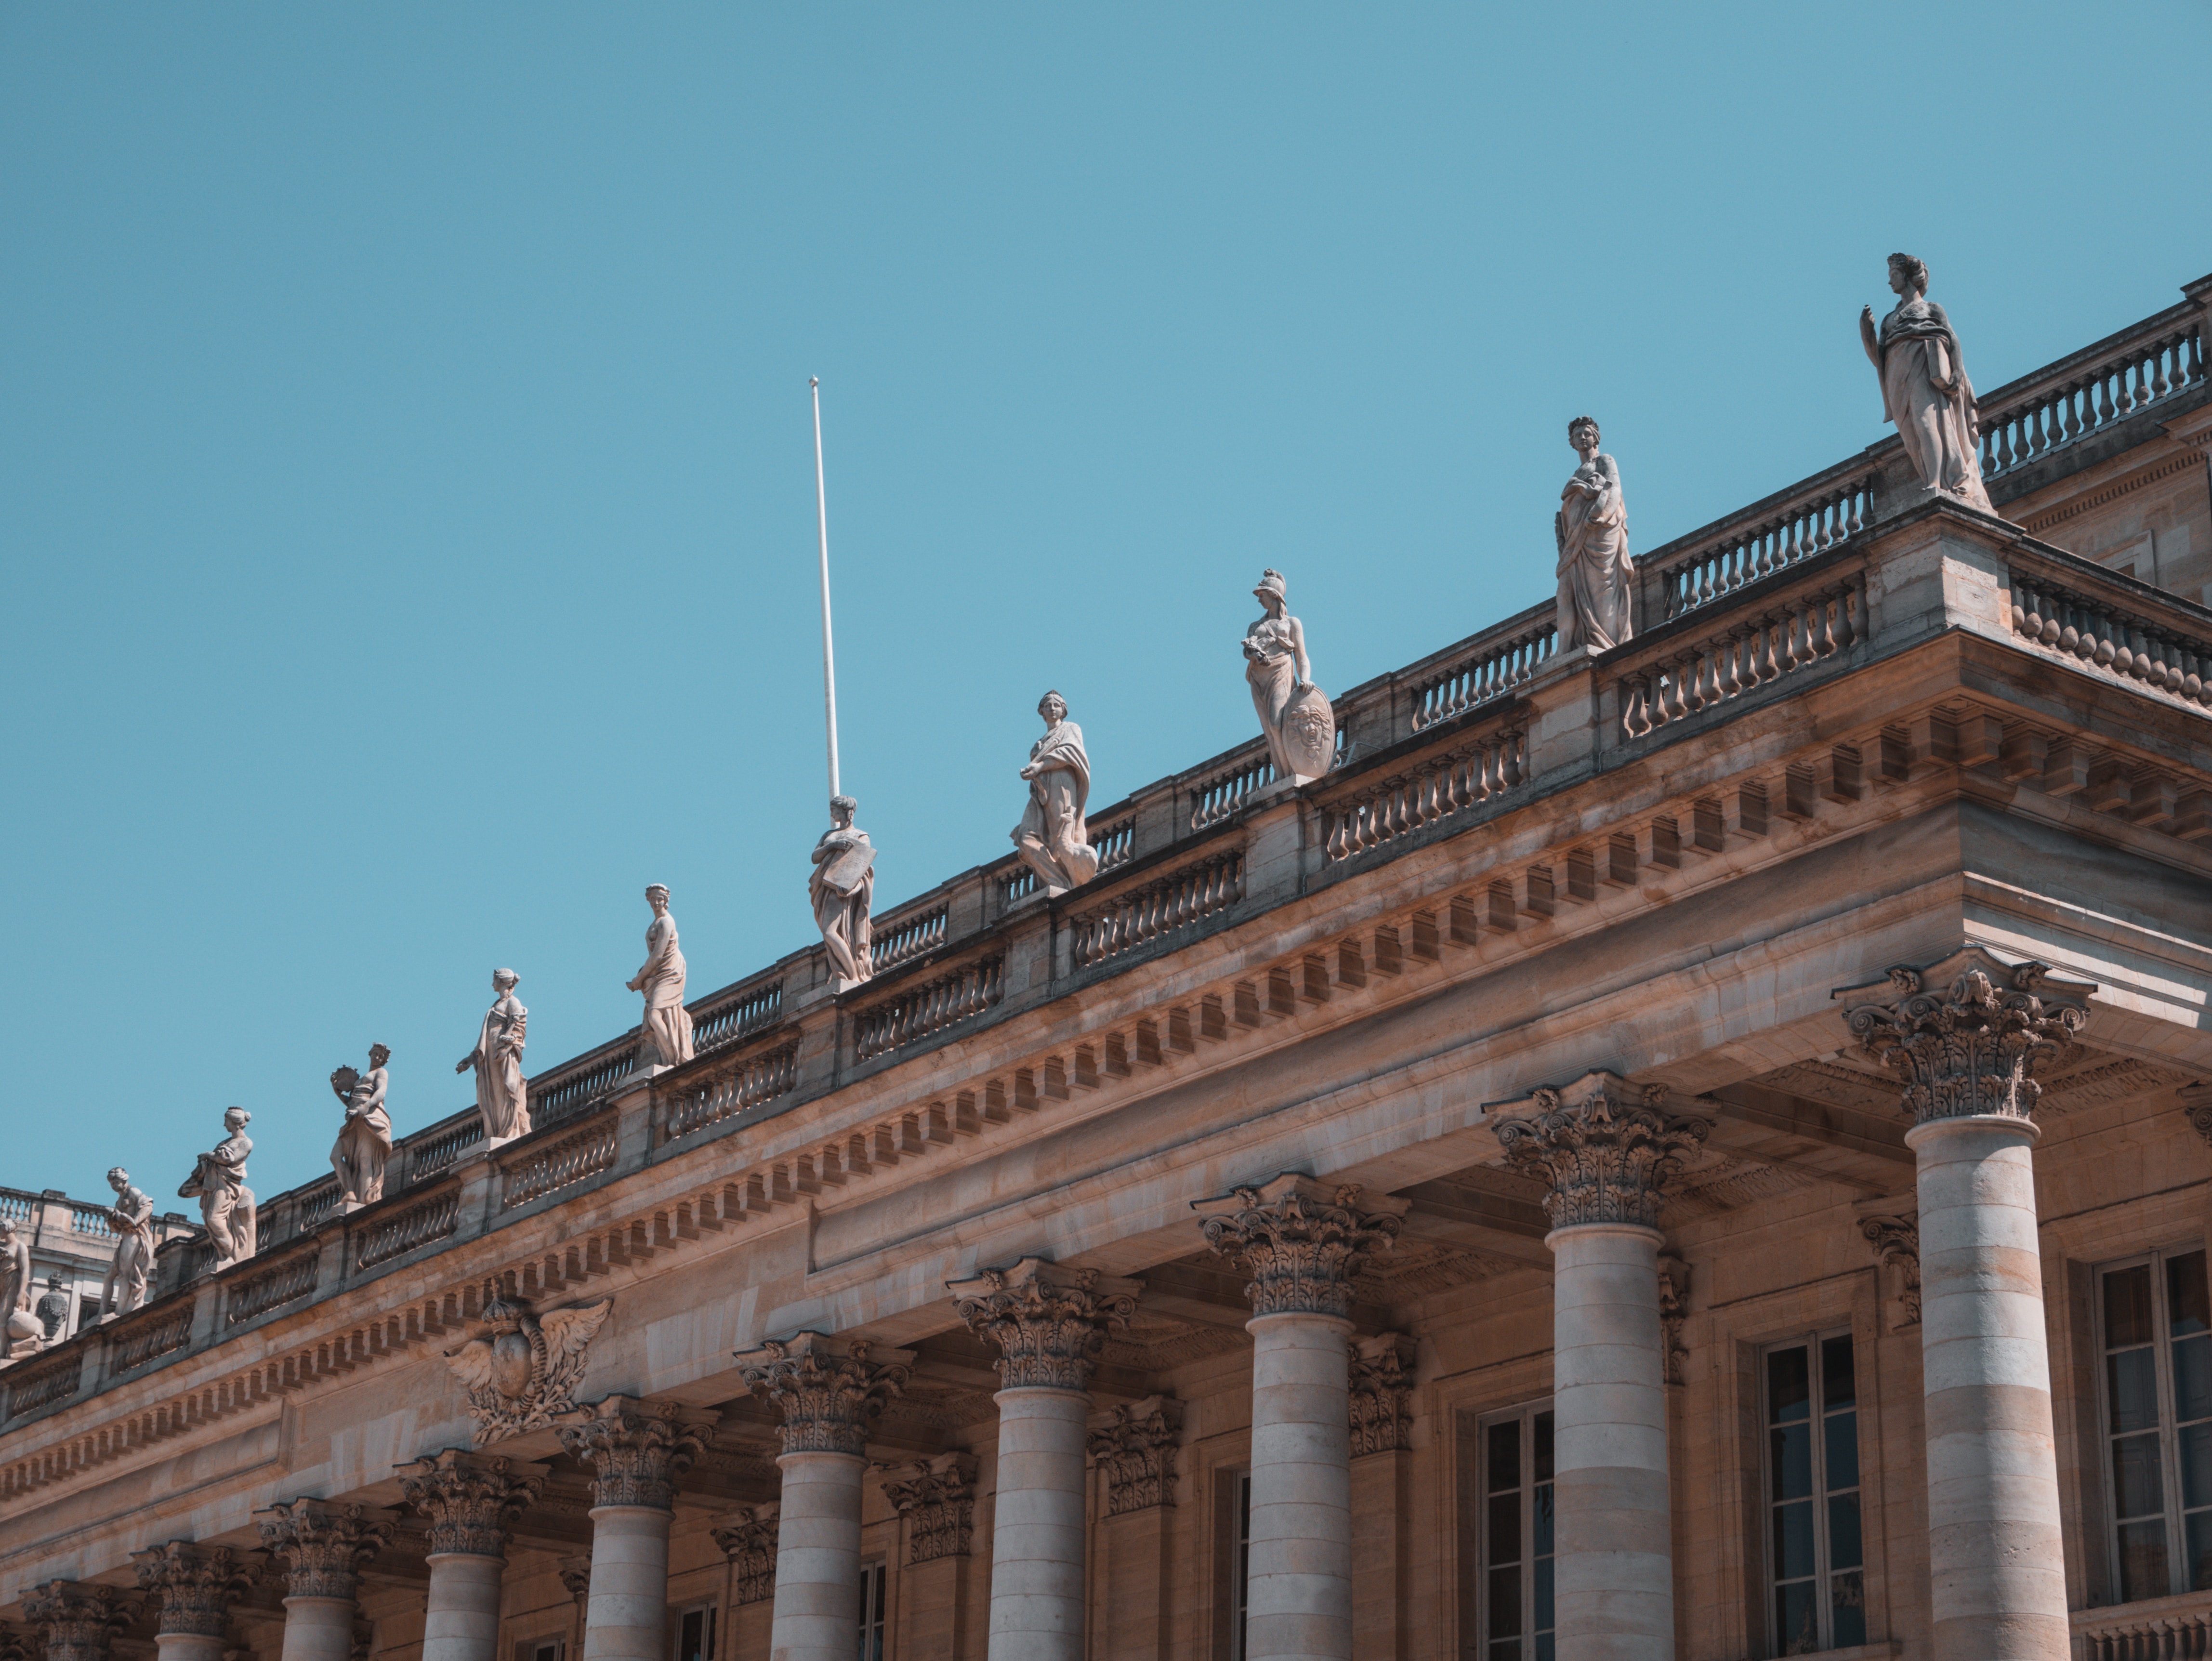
(1604, 1147)
(1132, 1447)
(322, 1547)
(469, 1500)
(635, 1449)
(1048, 1323)
(1303, 1242)
(196, 1585)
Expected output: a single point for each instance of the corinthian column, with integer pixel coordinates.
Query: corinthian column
(1047, 1324)
(469, 1498)
(829, 1390)
(1605, 1150)
(637, 1450)
(322, 1549)
(75, 1621)
(195, 1587)
(1964, 1038)
(1304, 1243)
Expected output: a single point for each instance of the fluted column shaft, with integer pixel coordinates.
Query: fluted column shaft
(1048, 1324)
(636, 1451)
(829, 1390)
(1964, 1038)
(1304, 1243)
(470, 1499)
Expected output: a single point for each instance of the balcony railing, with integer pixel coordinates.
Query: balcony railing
(2092, 391)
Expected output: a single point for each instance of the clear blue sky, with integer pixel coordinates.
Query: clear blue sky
(406, 505)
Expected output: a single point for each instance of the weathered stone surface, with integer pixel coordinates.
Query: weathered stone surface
(321, 1547)
(1049, 1323)
(469, 1500)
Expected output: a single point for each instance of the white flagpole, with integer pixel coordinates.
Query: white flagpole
(829, 658)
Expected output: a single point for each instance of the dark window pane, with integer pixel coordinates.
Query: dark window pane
(1509, 1650)
(1543, 1651)
(2132, 1378)
(2199, 1530)
(2186, 1306)
(1843, 1436)
(2137, 1490)
(2196, 1466)
(1789, 1449)
(1793, 1540)
(1504, 1456)
(1788, 1386)
(1839, 1384)
(1504, 1527)
(1847, 1610)
(2127, 1306)
(1543, 1440)
(1544, 1621)
(2192, 1378)
(1844, 1549)
(2142, 1561)
(1541, 1509)
(1795, 1623)
(1506, 1602)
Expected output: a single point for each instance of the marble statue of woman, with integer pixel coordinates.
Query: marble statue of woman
(1596, 576)
(841, 889)
(1294, 713)
(1052, 836)
(21, 1332)
(497, 1059)
(665, 1039)
(364, 1142)
(218, 1183)
(1924, 388)
(131, 1217)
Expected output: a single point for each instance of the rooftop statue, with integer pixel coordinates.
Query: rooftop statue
(364, 1141)
(841, 889)
(1052, 836)
(218, 1183)
(1596, 576)
(54, 1308)
(131, 1217)
(1294, 713)
(665, 1039)
(21, 1331)
(1924, 388)
(497, 1058)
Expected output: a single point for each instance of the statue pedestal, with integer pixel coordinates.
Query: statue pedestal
(348, 1206)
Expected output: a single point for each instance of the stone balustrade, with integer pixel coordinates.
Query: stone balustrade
(2092, 391)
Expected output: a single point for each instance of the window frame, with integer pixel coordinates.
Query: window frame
(1824, 1569)
(1240, 1562)
(875, 1576)
(678, 1613)
(1525, 1417)
(2169, 1422)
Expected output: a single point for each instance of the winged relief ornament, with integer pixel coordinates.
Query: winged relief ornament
(525, 1368)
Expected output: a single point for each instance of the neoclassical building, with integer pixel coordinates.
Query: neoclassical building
(1692, 1148)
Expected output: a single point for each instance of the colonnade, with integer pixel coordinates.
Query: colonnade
(1963, 1037)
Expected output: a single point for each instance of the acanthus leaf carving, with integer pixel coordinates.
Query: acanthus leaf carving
(195, 1585)
(322, 1547)
(1896, 1242)
(1049, 1323)
(1382, 1380)
(1603, 1149)
(829, 1390)
(469, 1500)
(1304, 1243)
(76, 1619)
(1133, 1448)
(749, 1541)
(936, 1498)
(637, 1450)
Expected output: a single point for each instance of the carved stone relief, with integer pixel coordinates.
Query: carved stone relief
(469, 1500)
(194, 1586)
(1603, 1147)
(637, 1450)
(525, 1368)
(1048, 1323)
(829, 1390)
(322, 1547)
(1896, 1243)
(1674, 1310)
(1134, 1449)
(1382, 1394)
(936, 1498)
(1303, 1242)
(748, 1540)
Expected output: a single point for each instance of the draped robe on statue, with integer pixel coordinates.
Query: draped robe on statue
(842, 912)
(1941, 431)
(218, 1183)
(666, 1031)
(1052, 835)
(1597, 575)
(498, 1058)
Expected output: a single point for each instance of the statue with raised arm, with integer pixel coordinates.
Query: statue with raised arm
(131, 1217)
(1294, 713)
(497, 1058)
(1924, 388)
(1597, 579)
(841, 889)
(665, 1039)
(21, 1333)
(364, 1142)
(1052, 836)
(218, 1183)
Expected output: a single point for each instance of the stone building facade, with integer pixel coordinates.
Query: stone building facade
(70, 1241)
(1698, 1149)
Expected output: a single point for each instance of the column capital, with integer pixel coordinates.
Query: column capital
(1381, 1378)
(575, 1574)
(1896, 1241)
(470, 1499)
(747, 1539)
(637, 1450)
(196, 1585)
(322, 1545)
(1966, 1037)
(76, 1619)
(1303, 1242)
(936, 1498)
(829, 1389)
(1602, 1147)
(1048, 1323)
(1133, 1448)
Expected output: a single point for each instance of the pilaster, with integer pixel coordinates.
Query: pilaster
(935, 1499)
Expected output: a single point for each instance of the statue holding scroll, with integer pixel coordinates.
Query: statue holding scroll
(1924, 388)
(501, 1096)
(1052, 836)
(131, 1217)
(1597, 579)
(364, 1142)
(1294, 713)
(841, 889)
(218, 1183)
(665, 1037)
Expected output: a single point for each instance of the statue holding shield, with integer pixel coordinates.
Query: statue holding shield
(841, 889)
